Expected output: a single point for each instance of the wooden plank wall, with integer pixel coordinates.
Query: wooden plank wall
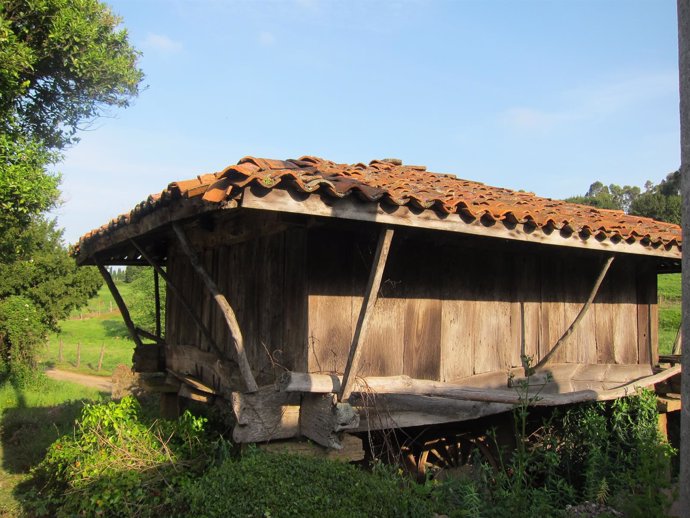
(447, 308)
(263, 279)
(450, 311)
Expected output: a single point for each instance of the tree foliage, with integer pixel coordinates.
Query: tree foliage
(661, 202)
(64, 62)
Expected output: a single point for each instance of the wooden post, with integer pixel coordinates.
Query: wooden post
(225, 308)
(157, 296)
(100, 357)
(118, 300)
(684, 75)
(60, 359)
(678, 343)
(580, 315)
(178, 294)
(78, 354)
(370, 296)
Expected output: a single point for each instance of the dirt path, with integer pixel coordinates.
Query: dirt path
(98, 382)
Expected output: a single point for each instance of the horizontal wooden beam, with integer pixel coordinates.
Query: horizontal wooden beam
(303, 382)
(351, 208)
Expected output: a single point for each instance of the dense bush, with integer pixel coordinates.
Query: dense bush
(21, 332)
(284, 485)
(118, 464)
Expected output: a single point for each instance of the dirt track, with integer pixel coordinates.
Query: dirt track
(98, 382)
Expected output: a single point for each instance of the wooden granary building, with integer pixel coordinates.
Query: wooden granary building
(302, 295)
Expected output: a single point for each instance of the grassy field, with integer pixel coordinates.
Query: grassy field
(669, 310)
(31, 418)
(93, 327)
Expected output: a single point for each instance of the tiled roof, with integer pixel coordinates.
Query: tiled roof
(390, 182)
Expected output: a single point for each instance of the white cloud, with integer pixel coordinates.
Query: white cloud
(591, 102)
(266, 39)
(162, 43)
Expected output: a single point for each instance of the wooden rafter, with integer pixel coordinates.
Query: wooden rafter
(580, 315)
(370, 296)
(225, 308)
(120, 302)
(178, 294)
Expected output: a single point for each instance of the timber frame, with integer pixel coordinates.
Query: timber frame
(303, 315)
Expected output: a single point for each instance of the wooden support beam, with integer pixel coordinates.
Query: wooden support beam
(678, 343)
(119, 301)
(150, 336)
(322, 419)
(178, 294)
(157, 301)
(265, 415)
(580, 315)
(370, 296)
(225, 308)
(510, 396)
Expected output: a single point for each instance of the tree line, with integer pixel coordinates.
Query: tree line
(661, 202)
(63, 64)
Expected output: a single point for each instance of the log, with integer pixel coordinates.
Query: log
(146, 358)
(265, 415)
(580, 315)
(405, 385)
(368, 303)
(322, 419)
(225, 308)
(118, 300)
(324, 383)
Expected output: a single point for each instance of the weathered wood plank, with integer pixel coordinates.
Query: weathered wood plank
(564, 338)
(322, 419)
(265, 415)
(227, 311)
(349, 208)
(330, 259)
(366, 310)
(295, 310)
(221, 374)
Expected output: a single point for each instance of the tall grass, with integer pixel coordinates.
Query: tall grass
(669, 293)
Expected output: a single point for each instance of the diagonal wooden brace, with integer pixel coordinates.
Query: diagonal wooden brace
(225, 308)
(370, 296)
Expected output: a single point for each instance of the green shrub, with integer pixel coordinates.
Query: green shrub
(117, 464)
(283, 485)
(21, 332)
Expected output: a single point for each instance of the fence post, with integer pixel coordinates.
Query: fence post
(100, 358)
(78, 354)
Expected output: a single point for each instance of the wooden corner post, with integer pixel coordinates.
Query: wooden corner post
(370, 296)
(225, 308)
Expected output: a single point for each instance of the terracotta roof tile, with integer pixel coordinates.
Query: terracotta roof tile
(389, 182)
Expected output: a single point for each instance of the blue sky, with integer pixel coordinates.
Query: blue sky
(545, 96)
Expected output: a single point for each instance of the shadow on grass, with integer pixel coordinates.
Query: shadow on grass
(27, 433)
(115, 329)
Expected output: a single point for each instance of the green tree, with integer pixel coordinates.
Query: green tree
(142, 302)
(63, 63)
(612, 197)
(661, 202)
